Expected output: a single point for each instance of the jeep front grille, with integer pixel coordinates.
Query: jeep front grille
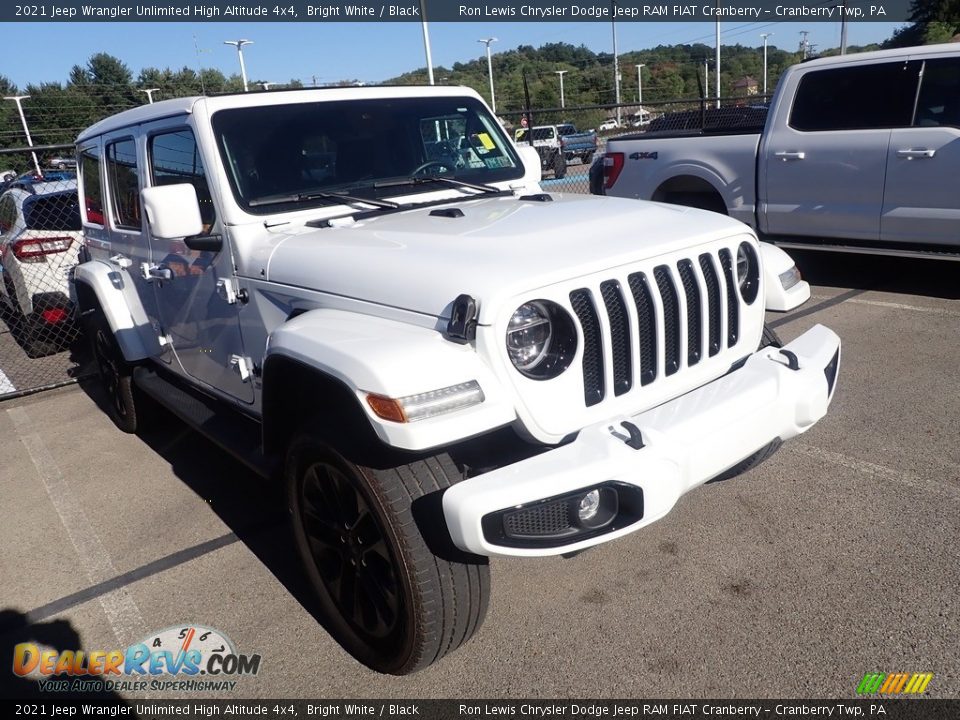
(681, 300)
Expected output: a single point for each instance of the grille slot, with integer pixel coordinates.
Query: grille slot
(549, 519)
(694, 331)
(733, 310)
(647, 320)
(671, 319)
(593, 383)
(713, 302)
(619, 336)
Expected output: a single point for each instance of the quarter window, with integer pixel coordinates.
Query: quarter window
(124, 182)
(90, 177)
(863, 97)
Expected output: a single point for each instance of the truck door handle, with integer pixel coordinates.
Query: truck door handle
(790, 155)
(916, 153)
(155, 272)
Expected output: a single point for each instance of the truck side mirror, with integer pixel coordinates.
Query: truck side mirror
(173, 211)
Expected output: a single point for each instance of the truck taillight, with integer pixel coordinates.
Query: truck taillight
(35, 249)
(612, 165)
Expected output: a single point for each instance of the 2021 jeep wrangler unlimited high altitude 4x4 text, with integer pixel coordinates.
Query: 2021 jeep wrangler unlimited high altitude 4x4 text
(442, 362)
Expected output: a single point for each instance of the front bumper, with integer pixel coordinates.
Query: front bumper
(686, 441)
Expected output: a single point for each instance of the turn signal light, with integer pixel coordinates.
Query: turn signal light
(612, 165)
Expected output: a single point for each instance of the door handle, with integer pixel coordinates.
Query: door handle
(790, 155)
(916, 153)
(155, 272)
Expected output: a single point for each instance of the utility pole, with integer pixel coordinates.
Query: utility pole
(149, 93)
(640, 67)
(616, 62)
(243, 68)
(804, 44)
(426, 41)
(18, 99)
(765, 36)
(717, 57)
(706, 78)
(843, 31)
(563, 104)
(493, 98)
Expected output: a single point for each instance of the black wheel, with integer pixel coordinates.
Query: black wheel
(116, 374)
(386, 597)
(559, 166)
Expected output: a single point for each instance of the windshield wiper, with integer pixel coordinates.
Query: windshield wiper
(321, 195)
(421, 179)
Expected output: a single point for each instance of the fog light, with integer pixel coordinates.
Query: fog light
(589, 505)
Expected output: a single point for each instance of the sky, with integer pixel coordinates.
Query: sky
(367, 52)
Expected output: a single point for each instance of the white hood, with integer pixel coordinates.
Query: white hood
(501, 248)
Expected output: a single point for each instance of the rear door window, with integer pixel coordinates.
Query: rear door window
(123, 180)
(862, 97)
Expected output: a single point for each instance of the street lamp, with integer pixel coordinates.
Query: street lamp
(616, 61)
(493, 98)
(563, 104)
(765, 36)
(18, 99)
(243, 69)
(640, 85)
(426, 40)
(149, 93)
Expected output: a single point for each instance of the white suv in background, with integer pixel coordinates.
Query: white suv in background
(40, 240)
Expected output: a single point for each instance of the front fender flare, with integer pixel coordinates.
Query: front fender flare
(370, 354)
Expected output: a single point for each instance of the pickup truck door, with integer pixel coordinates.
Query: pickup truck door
(824, 158)
(921, 202)
(194, 290)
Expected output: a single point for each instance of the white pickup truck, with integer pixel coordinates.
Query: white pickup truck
(859, 152)
(438, 359)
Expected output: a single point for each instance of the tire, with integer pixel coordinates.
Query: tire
(385, 596)
(116, 374)
(559, 166)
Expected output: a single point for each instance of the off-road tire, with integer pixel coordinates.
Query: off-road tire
(559, 166)
(116, 374)
(384, 594)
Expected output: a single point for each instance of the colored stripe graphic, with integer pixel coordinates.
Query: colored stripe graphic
(894, 683)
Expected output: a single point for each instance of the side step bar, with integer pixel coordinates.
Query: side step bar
(231, 430)
(895, 251)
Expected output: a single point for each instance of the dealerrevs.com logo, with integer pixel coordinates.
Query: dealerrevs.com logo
(180, 658)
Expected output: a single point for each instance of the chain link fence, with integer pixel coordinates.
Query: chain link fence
(40, 240)
(581, 133)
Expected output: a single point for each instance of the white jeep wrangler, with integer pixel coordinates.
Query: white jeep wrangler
(441, 361)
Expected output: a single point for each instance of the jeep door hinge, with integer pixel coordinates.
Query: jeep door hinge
(243, 366)
(229, 293)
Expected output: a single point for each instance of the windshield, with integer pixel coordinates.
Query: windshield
(286, 157)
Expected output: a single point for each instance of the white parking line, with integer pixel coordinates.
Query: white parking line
(120, 607)
(893, 305)
(878, 471)
(5, 385)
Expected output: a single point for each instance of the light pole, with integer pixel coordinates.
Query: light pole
(616, 62)
(493, 98)
(426, 41)
(765, 36)
(243, 68)
(717, 58)
(640, 85)
(149, 93)
(18, 99)
(563, 104)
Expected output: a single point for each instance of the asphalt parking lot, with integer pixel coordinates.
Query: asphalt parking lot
(837, 557)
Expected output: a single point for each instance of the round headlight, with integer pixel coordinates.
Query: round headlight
(541, 339)
(748, 272)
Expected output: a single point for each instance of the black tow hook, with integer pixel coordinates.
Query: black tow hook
(636, 438)
(792, 361)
